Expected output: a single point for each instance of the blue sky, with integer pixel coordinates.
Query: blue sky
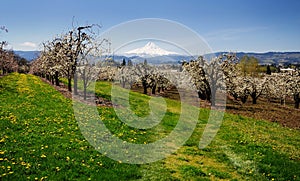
(229, 25)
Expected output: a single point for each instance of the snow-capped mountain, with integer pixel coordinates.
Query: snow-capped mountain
(150, 50)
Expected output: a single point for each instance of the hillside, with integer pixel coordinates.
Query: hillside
(264, 58)
(28, 55)
(276, 58)
(41, 140)
(273, 57)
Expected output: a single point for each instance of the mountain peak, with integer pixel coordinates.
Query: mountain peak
(151, 44)
(150, 49)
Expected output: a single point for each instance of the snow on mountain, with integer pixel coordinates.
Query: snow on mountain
(150, 49)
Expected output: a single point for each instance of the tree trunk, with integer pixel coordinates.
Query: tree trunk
(84, 89)
(244, 99)
(123, 83)
(75, 83)
(70, 84)
(213, 97)
(297, 100)
(145, 87)
(254, 98)
(153, 89)
(56, 79)
(84, 93)
(158, 89)
(281, 101)
(52, 79)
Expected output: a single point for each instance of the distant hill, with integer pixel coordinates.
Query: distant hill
(28, 55)
(264, 58)
(272, 57)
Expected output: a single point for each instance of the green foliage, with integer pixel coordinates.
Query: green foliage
(248, 66)
(191, 171)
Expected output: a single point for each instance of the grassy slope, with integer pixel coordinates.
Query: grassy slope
(39, 138)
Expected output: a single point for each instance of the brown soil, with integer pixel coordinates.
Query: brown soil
(285, 115)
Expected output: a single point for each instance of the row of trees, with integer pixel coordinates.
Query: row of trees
(9, 61)
(241, 79)
(242, 84)
(71, 55)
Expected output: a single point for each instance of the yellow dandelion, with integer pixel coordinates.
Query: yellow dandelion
(43, 156)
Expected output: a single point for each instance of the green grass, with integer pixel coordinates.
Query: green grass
(40, 140)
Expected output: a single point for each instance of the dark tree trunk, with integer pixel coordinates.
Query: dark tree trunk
(84, 93)
(158, 89)
(213, 97)
(52, 79)
(144, 86)
(254, 98)
(75, 83)
(281, 101)
(244, 99)
(297, 100)
(208, 91)
(235, 96)
(70, 84)
(153, 89)
(56, 79)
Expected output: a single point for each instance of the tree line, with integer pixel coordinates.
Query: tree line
(9, 61)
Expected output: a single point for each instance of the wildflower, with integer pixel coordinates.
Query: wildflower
(43, 156)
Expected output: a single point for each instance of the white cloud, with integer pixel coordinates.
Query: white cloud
(28, 44)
